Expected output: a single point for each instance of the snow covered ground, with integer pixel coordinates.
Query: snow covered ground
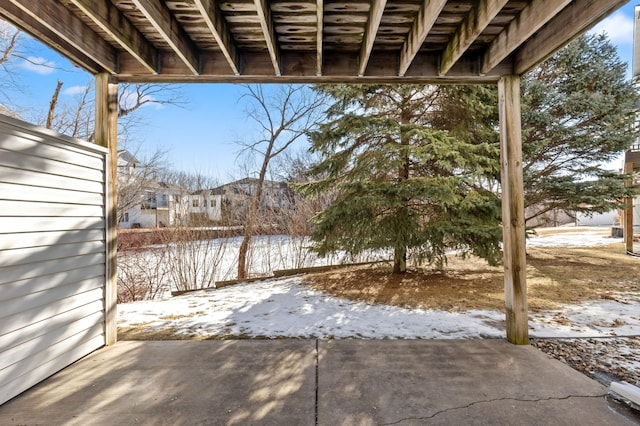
(285, 308)
(573, 237)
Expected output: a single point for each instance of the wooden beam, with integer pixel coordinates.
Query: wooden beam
(628, 212)
(114, 23)
(66, 28)
(635, 68)
(20, 19)
(530, 20)
(300, 67)
(319, 35)
(169, 28)
(574, 20)
(264, 15)
(375, 15)
(218, 27)
(106, 134)
(427, 16)
(474, 24)
(513, 239)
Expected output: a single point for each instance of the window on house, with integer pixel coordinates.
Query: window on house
(126, 217)
(213, 204)
(195, 202)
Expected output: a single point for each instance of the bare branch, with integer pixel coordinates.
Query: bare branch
(52, 105)
(9, 40)
(81, 107)
(132, 97)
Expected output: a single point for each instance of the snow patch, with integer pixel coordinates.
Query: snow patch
(286, 308)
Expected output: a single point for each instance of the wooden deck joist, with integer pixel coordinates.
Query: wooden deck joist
(306, 40)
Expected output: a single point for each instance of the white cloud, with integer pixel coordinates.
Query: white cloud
(74, 90)
(38, 65)
(619, 28)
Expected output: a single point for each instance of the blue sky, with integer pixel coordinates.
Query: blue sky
(201, 136)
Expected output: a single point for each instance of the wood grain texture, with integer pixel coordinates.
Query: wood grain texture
(421, 26)
(572, 21)
(207, 40)
(266, 23)
(71, 29)
(117, 26)
(628, 212)
(468, 31)
(218, 27)
(106, 135)
(375, 15)
(514, 249)
(40, 30)
(319, 35)
(168, 28)
(531, 19)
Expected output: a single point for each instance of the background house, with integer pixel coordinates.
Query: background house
(144, 202)
(228, 203)
(160, 205)
(205, 206)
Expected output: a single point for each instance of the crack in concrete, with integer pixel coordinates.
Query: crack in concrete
(488, 401)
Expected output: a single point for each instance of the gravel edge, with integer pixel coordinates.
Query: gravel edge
(604, 359)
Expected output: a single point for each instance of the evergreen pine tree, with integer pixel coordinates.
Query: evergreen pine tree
(402, 183)
(576, 113)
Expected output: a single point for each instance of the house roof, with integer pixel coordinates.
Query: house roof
(126, 158)
(237, 186)
(307, 40)
(159, 186)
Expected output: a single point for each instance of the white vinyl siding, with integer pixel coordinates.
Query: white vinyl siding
(52, 253)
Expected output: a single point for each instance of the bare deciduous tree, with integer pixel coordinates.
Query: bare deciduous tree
(10, 38)
(195, 259)
(75, 118)
(283, 116)
(142, 273)
(52, 105)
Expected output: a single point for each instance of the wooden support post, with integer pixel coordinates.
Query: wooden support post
(515, 262)
(106, 134)
(628, 213)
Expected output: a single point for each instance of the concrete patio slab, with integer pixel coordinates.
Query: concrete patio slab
(177, 383)
(449, 382)
(307, 382)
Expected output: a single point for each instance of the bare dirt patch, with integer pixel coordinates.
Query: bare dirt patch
(555, 276)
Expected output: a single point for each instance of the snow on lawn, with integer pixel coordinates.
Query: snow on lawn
(285, 308)
(589, 237)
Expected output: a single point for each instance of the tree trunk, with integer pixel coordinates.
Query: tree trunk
(400, 260)
(52, 105)
(400, 250)
(242, 256)
(283, 120)
(254, 206)
(248, 233)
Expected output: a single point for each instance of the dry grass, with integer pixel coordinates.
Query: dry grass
(555, 276)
